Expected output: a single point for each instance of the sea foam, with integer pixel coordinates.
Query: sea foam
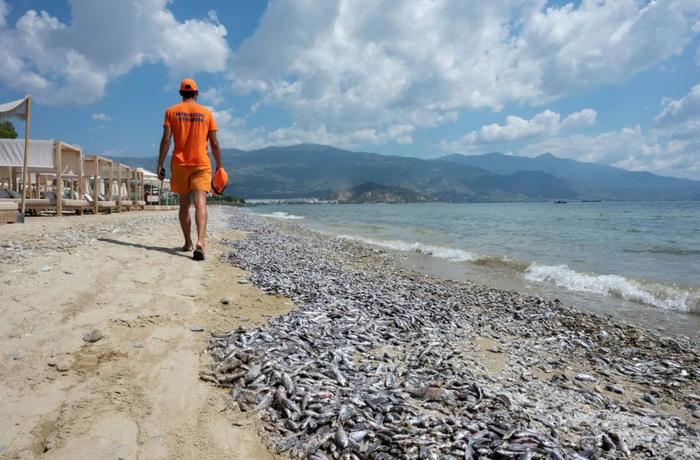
(653, 294)
(281, 215)
(442, 252)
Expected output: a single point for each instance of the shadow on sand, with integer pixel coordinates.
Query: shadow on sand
(172, 251)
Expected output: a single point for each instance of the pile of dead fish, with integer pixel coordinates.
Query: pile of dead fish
(372, 364)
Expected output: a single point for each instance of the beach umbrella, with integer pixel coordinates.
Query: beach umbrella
(20, 109)
(123, 192)
(88, 187)
(102, 187)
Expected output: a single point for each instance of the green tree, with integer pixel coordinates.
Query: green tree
(7, 130)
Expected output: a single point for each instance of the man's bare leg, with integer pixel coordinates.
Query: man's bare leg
(186, 220)
(200, 216)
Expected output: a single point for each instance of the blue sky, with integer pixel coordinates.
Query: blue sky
(610, 82)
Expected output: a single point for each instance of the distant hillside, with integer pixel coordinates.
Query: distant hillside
(376, 193)
(590, 180)
(309, 170)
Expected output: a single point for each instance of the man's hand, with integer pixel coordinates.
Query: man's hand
(163, 152)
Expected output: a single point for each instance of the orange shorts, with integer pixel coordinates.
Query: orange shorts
(185, 179)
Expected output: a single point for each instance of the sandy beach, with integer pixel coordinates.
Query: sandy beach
(288, 342)
(136, 392)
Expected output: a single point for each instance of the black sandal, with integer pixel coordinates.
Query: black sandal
(198, 254)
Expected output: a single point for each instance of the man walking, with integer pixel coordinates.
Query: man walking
(192, 126)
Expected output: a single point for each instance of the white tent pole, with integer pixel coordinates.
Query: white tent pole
(26, 155)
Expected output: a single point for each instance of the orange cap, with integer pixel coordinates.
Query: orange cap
(188, 85)
(219, 181)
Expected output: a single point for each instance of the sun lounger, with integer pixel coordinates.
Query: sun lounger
(74, 204)
(107, 205)
(125, 204)
(48, 203)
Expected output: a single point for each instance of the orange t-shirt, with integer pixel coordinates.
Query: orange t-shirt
(191, 124)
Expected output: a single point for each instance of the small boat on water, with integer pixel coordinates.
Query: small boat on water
(560, 202)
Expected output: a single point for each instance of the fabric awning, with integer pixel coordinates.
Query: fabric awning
(41, 158)
(14, 109)
(41, 153)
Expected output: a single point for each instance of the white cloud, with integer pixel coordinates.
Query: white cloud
(101, 117)
(66, 64)
(211, 96)
(671, 146)
(586, 117)
(607, 148)
(352, 66)
(680, 117)
(4, 11)
(515, 128)
(235, 133)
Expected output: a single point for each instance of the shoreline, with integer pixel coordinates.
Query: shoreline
(470, 359)
(659, 320)
(670, 307)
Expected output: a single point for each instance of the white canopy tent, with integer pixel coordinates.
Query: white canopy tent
(151, 181)
(20, 109)
(41, 156)
(48, 162)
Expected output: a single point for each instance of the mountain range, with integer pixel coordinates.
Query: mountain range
(319, 171)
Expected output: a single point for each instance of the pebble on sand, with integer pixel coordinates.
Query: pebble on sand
(46, 268)
(225, 301)
(138, 344)
(196, 328)
(92, 336)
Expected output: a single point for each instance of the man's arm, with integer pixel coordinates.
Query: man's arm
(215, 149)
(164, 147)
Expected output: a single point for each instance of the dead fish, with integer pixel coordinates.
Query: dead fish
(358, 436)
(288, 384)
(252, 373)
(264, 403)
(341, 437)
(339, 377)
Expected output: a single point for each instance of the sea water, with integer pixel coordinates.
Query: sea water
(638, 261)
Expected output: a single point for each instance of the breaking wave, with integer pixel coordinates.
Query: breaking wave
(454, 255)
(281, 215)
(443, 252)
(658, 295)
(668, 297)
